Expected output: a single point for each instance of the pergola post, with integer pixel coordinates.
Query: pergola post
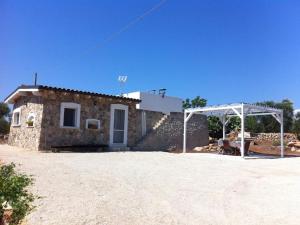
(184, 132)
(185, 120)
(224, 126)
(281, 136)
(242, 131)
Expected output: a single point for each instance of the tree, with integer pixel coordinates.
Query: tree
(198, 102)
(253, 124)
(215, 128)
(234, 124)
(288, 114)
(186, 104)
(4, 110)
(296, 125)
(268, 124)
(4, 124)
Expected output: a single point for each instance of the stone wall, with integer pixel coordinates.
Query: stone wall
(169, 135)
(24, 136)
(47, 131)
(273, 138)
(91, 108)
(151, 119)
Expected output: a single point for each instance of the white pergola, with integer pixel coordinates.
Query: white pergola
(225, 112)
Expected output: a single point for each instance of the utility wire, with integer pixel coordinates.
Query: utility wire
(129, 25)
(114, 35)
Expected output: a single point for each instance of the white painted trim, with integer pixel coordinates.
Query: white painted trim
(111, 129)
(70, 105)
(87, 121)
(17, 110)
(18, 92)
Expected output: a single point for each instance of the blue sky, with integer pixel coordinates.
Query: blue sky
(225, 51)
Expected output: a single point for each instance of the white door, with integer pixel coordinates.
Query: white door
(118, 125)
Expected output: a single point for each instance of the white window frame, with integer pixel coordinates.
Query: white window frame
(112, 118)
(87, 122)
(14, 124)
(31, 115)
(70, 105)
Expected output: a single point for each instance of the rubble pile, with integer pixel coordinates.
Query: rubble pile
(294, 145)
(273, 138)
(207, 148)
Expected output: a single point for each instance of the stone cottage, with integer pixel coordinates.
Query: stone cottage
(45, 116)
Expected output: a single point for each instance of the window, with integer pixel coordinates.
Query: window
(17, 117)
(92, 124)
(69, 115)
(30, 120)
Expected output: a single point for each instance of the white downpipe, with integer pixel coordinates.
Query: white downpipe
(242, 132)
(281, 136)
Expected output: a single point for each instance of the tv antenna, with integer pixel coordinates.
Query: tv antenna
(122, 80)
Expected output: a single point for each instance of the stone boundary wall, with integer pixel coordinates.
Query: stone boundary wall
(169, 136)
(272, 138)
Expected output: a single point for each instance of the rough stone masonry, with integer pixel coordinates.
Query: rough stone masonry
(46, 130)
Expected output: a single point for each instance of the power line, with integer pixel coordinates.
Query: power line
(113, 35)
(130, 24)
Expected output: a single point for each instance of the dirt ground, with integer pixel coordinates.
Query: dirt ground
(159, 188)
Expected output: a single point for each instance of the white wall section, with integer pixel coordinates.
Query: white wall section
(157, 103)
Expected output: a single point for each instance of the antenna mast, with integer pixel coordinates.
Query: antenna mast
(122, 80)
(35, 79)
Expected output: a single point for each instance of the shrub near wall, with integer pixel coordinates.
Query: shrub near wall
(14, 193)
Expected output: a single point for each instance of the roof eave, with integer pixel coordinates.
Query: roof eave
(20, 92)
(35, 89)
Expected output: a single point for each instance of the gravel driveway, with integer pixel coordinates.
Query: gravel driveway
(159, 188)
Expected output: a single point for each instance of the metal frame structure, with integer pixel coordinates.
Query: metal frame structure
(224, 112)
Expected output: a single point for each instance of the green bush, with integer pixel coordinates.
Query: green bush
(4, 126)
(13, 189)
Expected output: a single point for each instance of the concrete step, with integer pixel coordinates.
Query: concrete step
(118, 149)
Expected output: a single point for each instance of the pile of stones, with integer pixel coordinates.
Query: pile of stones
(294, 145)
(207, 148)
(270, 138)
